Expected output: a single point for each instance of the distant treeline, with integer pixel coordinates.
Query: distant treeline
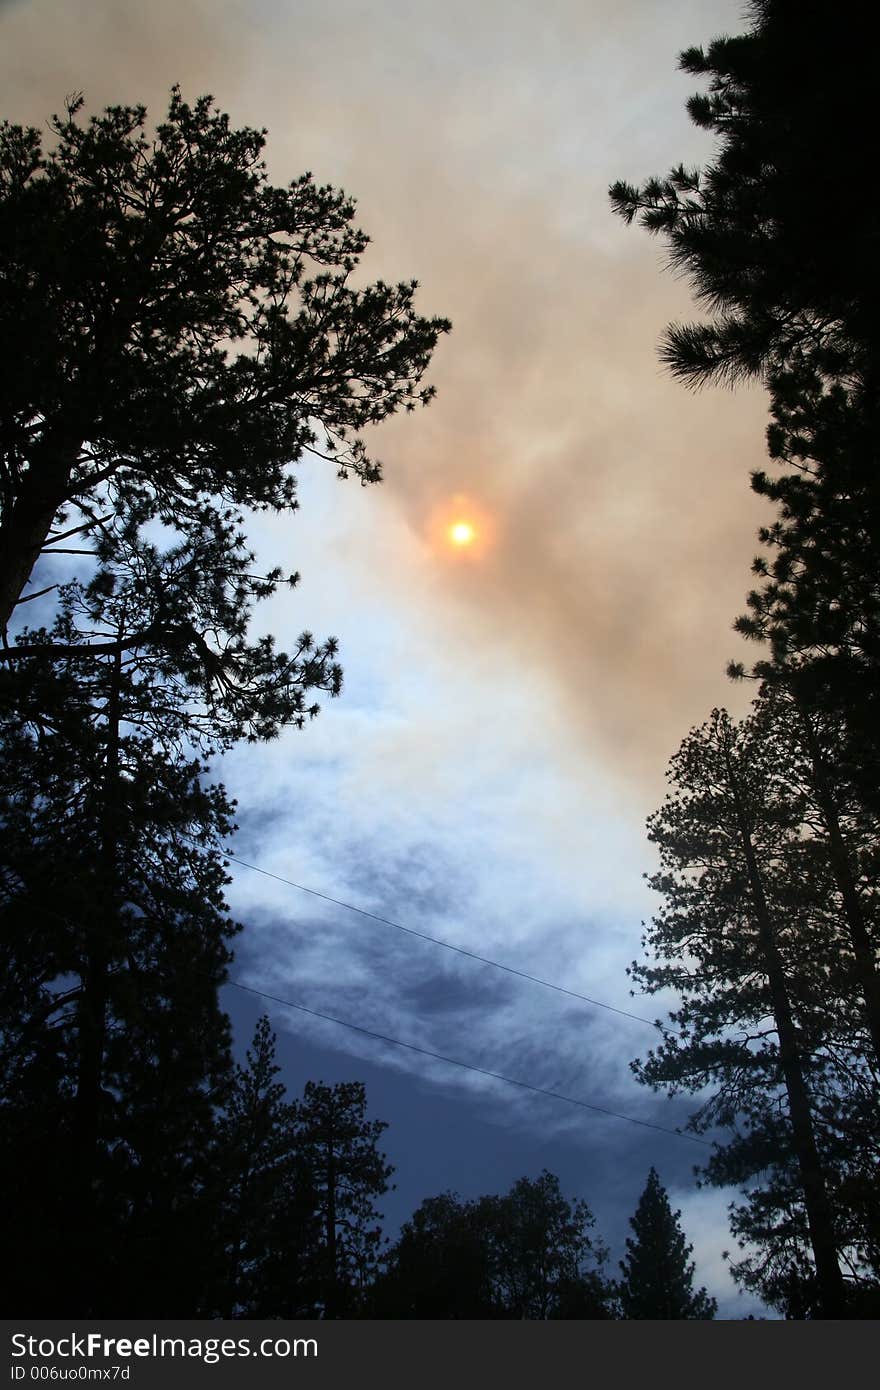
(269, 1210)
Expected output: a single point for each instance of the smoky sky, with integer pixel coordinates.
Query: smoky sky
(479, 142)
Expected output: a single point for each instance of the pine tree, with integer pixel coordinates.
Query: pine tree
(337, 1146)
(183, 334)
(178, 331)
(116, 938)
(784, 260)
(816, 606)
(779, 250)
(261, 1197)
(657, 1274)
(177, 620)
(735, 938)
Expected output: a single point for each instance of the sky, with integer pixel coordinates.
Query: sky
(508, 709)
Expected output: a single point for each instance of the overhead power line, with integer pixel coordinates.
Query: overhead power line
(468, 1066)
(450, 946)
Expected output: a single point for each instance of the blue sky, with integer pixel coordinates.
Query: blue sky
(507, 716)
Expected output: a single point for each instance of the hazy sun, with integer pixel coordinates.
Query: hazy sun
(461, 533)
(460, 530)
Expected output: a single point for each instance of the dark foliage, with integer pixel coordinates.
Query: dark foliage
(530, 1254)
(178, 334)
(779, 244)
(658, 1276)
(113, 1048)
(769, 841)
(178, 331)
(774, 1027)
(265, 1224)
(337, 1144)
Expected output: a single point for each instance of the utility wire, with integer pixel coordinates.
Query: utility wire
(449, 946)
(468, 1066)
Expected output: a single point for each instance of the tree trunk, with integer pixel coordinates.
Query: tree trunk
(332, 1301)
(93, 1009)
(832, 1296)
(44, 490)
(865, 972)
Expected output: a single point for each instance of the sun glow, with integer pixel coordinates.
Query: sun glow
(461, 533)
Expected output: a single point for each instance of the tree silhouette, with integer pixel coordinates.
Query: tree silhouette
(261, 1197)
(544, 1259)
(816, 605)
(770, 866)
(113, 1047)
(178, 331)
(784, 259)
(735, 938)
(177, 621)
(337, 1146)
(440, 1266)
(658, 1277)
(777, 249)
(530, 1253)
(184, 332)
